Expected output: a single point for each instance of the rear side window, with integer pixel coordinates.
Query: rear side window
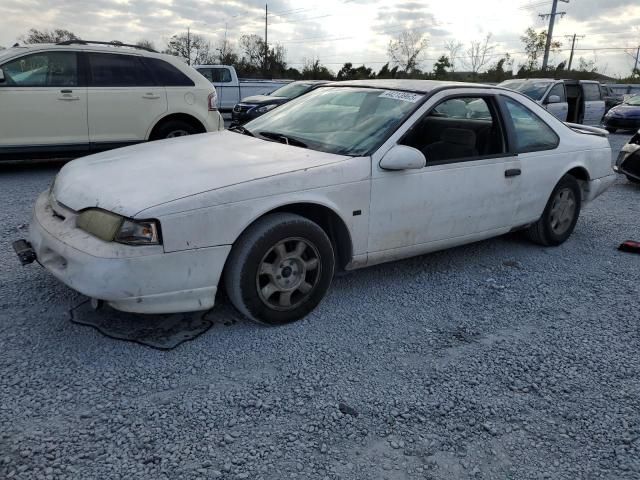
(591, 91)
(114, 70)
(558, 90)
(216, 75)
(532, 134)
(166, 74)
(48, 69)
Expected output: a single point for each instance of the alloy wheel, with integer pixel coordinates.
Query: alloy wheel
(288, 273)
(562, 211)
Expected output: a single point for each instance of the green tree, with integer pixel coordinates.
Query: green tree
(144, 43)
(500, 71)
(347, 72)
(534, 45)
(385, 72)
(48, 36)
(314, 70)
(440, 67)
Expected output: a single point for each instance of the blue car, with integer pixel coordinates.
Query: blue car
(625, 116)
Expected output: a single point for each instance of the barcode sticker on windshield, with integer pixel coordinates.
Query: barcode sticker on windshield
(404, 96)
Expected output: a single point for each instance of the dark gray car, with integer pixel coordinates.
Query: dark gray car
(254, 106)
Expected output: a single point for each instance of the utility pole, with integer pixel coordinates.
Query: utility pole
(266, 39)
(573, 46)
(635, 68)
(188, 46)
(552, 20)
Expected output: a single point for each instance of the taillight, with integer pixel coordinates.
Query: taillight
(212, 101)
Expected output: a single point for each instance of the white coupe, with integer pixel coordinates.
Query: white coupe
(350, 175)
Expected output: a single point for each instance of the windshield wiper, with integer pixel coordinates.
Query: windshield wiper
(296, 142)
(241, 129)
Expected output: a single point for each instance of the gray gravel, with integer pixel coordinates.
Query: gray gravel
(495, 360)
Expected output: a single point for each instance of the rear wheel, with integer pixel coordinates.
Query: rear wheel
(173, 129)
(279, 269)
(560, 215)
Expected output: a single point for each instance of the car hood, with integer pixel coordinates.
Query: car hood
(626, 111)
(129, 180)
(263, 100)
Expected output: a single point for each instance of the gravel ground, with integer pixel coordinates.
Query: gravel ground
(495, 360)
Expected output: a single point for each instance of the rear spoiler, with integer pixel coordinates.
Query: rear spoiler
(586, 129)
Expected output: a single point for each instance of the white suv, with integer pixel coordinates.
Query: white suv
(77, 97)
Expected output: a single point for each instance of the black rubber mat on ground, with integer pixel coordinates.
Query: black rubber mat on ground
(163, 332)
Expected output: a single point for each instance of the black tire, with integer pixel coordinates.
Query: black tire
(258, 248)
(611, 129)
(548, 230)
(632, 180)
(174, 128)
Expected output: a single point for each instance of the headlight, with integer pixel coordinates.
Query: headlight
(134, 232)
(112, 227)
(266, 108)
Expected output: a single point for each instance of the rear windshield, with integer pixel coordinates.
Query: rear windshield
(292, 90)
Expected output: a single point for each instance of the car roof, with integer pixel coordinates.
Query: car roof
(419, 86)
(84, 47)
(532, 80)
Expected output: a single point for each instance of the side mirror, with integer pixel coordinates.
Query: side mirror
(1, 76)
(553, 99)
(402, 157)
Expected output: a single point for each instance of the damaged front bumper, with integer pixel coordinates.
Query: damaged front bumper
(628, 161)
(128, 278)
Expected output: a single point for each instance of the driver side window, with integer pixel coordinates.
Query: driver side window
(458, 129)
(49, 69)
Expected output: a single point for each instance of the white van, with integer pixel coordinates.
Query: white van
(575, 101)
(78, 97)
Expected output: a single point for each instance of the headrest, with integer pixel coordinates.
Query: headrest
(459, 136)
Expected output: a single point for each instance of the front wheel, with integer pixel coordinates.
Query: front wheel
(560, 215)
(279, 269)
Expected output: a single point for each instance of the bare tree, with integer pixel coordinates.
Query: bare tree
(225, 53)
(453, 47)
(193, 48)
(252, 47)
(48, 36)
(407, 48)
(479, 54)
(144, 43)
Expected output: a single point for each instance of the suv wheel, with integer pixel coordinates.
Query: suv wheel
(174, 128)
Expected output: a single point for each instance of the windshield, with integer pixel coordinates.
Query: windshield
(635, 101)
(532, 89)
(292, 90)
(341, 120)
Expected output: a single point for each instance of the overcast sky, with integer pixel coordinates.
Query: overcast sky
(338, 31)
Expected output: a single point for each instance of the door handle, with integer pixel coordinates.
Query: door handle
(512, 172)
(151, 96)
(67, 95)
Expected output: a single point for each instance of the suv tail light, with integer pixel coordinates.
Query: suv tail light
(212, 101)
